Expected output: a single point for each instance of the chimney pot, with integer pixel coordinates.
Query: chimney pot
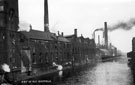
(62, 34)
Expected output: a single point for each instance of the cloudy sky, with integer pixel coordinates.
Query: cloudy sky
(85, 15)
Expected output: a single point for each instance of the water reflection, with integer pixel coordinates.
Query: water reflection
(112, 73)
(109, 73)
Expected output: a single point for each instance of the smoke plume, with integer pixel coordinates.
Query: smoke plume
(123, 25)
(99, 29)
(24, 26)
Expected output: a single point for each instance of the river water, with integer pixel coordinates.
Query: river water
(105, 73)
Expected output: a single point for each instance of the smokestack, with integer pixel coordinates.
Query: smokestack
(106, 35)
(115, 51)
(75, 32)
(58, 33)
(94, 35)
(133, 44)
(46, 16)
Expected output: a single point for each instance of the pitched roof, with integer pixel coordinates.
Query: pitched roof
(62, 39)
(69, 36)
(34, 34)
(107, 52)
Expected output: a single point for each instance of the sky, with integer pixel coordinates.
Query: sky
(85, 15)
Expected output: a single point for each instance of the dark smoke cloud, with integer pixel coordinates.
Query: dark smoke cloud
(123, 25)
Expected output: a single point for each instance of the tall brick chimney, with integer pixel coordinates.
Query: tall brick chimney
(46, 16)
(106, 35)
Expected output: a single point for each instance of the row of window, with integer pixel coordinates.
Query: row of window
(48, 57)
(52, 45)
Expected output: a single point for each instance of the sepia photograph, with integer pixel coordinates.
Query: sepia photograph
(67, 42)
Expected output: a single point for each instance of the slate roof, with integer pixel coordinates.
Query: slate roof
(107, 52)
(35, 34)
(69, 36)
(63, 39)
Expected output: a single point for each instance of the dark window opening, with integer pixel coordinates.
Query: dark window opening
(1, 5)
(34, 58)
(40, 57)
(21, 39)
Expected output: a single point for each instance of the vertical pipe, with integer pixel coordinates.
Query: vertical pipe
(99, 40)
(94, 36)
(46, 16)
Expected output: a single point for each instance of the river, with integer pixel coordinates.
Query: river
(105, 73)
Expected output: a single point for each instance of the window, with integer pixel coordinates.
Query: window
(34, 58)
(40, 57)
(2, 36)
(1, 8)
(2, 20)
(1, 5)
